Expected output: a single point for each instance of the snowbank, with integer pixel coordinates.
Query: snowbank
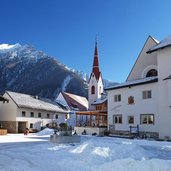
(46, 131)
(92, 154)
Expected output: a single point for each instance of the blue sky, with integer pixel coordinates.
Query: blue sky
(66, 29)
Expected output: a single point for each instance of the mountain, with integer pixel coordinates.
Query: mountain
(27, 70)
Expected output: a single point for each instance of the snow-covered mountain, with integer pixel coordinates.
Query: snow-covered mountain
(27, 70)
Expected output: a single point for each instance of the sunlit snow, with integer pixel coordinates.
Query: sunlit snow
(36, 153)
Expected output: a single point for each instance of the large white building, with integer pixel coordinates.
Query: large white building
(145, 98)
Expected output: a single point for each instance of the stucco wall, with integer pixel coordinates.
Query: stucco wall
(144, 60)
(39, 122)
(140, 106)
(164, 67)
(8, 110)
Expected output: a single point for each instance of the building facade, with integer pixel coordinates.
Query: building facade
(145, 98)
(23, 111)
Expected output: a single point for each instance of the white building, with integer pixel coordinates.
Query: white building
(24, 111)
(145, 98)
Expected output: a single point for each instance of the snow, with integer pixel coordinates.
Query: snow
(162, 44)
(35, 152)
(66, 82)
(7, 47)
(28, 101)
(133, 82)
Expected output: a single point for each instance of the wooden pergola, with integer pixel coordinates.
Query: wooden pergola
(93, 118)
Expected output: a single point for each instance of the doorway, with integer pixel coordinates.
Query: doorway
(21, 127)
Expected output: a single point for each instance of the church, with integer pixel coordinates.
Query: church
(144, 100)
(96, 115)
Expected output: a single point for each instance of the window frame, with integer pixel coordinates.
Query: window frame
(117, 119)
(32, 114)
(147, 119)
(117, 98)
(48, 115)
(31, 125)
(146, 94)
(39, 115)
(92, 89)
(129, 119)
(23, 114)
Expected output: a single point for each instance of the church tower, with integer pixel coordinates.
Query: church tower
(95, 88)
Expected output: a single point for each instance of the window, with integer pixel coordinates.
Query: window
(56, 116)
(147, 119)
(48, 115)
(31, 114)
(39, 115)
(98, 107)
(130, 119)
(130, 100)
(93, 90)
(117, 98)
(31, 125)
(117, 119)
(151, 73)
(23, 113)
(146, 94)
(67, 116)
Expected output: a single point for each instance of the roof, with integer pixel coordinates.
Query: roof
(28, 101)
(3, 98)
(162, 44)
(75, 102)
(143, 50)
(100, 101)
(167, 78)
(95, 69)
(146, 80)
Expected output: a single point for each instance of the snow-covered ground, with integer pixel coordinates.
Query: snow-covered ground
(36, 153)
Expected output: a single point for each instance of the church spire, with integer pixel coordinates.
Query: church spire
(95, 69)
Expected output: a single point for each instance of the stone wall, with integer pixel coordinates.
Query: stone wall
(9, 125)
(89, 130)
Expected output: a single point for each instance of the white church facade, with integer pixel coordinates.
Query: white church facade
(145, 98)
(95, 84)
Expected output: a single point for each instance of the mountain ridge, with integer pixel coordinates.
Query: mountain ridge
(25, 69)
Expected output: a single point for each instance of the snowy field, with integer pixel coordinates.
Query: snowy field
(35, 153)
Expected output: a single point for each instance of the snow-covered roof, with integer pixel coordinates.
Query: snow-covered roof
(167, 78)
(100, 101)
(75, 101)
(135, 82)
(28, 101)
(162, 44)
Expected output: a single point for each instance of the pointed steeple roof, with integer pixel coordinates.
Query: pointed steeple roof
(95, 69)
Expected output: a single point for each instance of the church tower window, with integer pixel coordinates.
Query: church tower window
(93, 90)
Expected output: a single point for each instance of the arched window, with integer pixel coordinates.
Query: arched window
(151, 73)
(93, 90)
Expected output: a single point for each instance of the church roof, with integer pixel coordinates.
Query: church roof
(162, 44)
(95, 69)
